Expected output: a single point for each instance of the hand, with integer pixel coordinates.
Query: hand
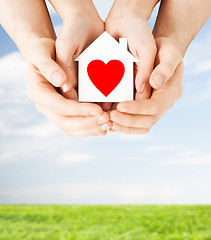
(125, 21)
(138, 117)
(81, 26)
(72, 117)
(29, 25)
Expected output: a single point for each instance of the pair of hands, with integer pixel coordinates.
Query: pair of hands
(51, 63)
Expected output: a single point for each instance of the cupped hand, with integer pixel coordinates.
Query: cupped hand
(139, 116)
(81, 26)
(72, 117)
(124, 21)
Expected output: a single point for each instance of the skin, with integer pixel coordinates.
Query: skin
(38, 47)
(179, 22)
(176, 18)
(81, 26)
(175, 28)
(129, 21)
(138, 117)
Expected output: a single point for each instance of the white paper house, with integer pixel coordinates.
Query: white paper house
(106, 48)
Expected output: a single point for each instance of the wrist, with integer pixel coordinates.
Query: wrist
(25, 42)
(141, 8)
(175, 35)
(162, 41)
(68, 8)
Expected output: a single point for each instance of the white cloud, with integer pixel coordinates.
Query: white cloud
(101, 193)
(75, 158)
(12, 69)
(203, 159)
(202, 66)
(197, 58)
(161, 148)
(42, 129)
(13, 79)
(189, 153)
(127, 137)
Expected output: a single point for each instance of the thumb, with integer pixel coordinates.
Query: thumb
(169, 57)
(66, 51)
(42, 58)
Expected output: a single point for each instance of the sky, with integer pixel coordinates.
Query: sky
(170, 165)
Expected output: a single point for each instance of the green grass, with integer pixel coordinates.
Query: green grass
(126, 222)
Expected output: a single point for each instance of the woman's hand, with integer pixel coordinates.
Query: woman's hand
(139, 116)
(81, 26)
(126, 19)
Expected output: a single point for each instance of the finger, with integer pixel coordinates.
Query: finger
(146, 56)
(146, 94)
(128, 120)
(161, 99)
(71, 124)
(72, 94)
(43, 93)
(168, 58)
(42, 58)
(145, 107)
(129, 130)
(66, 51)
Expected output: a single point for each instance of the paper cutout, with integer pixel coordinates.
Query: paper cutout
(109, 58)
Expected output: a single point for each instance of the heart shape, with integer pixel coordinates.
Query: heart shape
(106, 77)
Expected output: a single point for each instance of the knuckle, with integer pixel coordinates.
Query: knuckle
(146, 130)
(151, 122)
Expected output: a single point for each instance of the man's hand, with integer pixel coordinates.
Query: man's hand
(139, 116)
(72, 117)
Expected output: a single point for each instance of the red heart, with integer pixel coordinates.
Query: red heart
(106, 77)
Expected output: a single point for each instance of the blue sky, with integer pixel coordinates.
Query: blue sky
(39, 164)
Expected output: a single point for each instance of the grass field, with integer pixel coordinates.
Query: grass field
(126, 222)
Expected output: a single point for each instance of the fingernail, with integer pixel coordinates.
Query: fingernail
(158, 80)
(102, 120)
(143, 87)
(104, 127)
(65, 88)
(57, 79)
(116, 127)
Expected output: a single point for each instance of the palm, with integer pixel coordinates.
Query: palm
(74, 37)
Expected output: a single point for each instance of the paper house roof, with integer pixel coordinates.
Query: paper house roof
(105, 42)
